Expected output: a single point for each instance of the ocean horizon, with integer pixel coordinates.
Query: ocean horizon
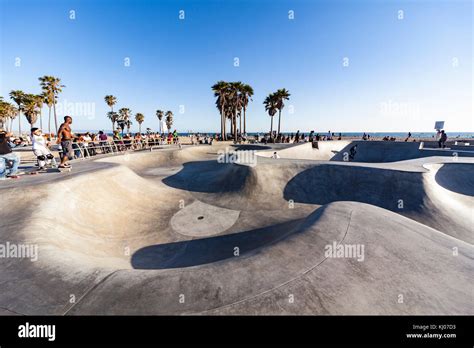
(344, 134)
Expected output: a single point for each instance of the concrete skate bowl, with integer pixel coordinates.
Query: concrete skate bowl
(366, 151)
(417, 195)
(457, 178)
(113, 244)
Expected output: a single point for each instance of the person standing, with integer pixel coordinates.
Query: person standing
(442, 139)
(297, 137)
(65, 136)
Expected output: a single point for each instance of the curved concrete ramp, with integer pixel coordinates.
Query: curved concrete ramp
(397, 260)
(117, 246)
(366, 151)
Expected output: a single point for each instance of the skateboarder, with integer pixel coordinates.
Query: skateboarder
(41, 150)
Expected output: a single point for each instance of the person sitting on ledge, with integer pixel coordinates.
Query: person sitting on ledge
(41, 150)
(7, 156)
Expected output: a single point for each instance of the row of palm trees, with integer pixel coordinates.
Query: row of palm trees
(168, 118)
(31, 105)
(276, 102)
(122, 117)
(232, 99)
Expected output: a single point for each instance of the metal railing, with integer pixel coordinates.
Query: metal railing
(83, 150)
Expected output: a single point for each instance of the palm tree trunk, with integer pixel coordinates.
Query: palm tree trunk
(240, 127)
(225, 128)
(140, 128)
(271, 127)
(41, 119)
(279, 120)
(49, 120)
(222, 123)
(245, 126)
(235, 126)
(19, 123)
(55, 118)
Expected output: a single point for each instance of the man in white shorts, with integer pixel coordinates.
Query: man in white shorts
(41, 150)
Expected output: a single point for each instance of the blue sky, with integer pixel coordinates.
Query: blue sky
(402, 74)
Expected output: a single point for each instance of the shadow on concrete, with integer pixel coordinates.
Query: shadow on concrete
(212, 249)
(209, 177)
(250, 147)
(456, 177)
(324, 184)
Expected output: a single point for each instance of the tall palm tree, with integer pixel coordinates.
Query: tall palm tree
(7, 110)
(247, 93)
(221, 92)
(124, 116)
(49, 97)
(52, 87)
(113, 116)
(236, 101)
(13, 114)
(159, 114)
(30, 108)
(139, 118)
(128, 123)
(40, 100)
(8, 113)
(18, 96)
(111, 101)
(281, 95)
(271, 107)
(169, 120)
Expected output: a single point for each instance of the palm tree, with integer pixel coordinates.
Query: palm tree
(247, 93)
(121, 124)
(139, 118)
(169, 120)
(128, 123)
(30, 108)
(271, 107)
(159, 114)
(48, 98)
(52, 87)
(40, 100)
(17, 96)
(221, 91)
(124, 115)
(113, 116)
(237, 103)
(13, 114)
(281, 95)
(111, 101)
(7, 111)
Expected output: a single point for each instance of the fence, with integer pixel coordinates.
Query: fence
(85, 150)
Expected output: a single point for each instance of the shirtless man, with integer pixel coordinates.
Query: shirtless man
(65, 136)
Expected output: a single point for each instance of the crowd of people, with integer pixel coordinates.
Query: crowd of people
(297, 137)
(72, 146)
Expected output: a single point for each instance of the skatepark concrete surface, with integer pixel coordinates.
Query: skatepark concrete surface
(176, 231)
